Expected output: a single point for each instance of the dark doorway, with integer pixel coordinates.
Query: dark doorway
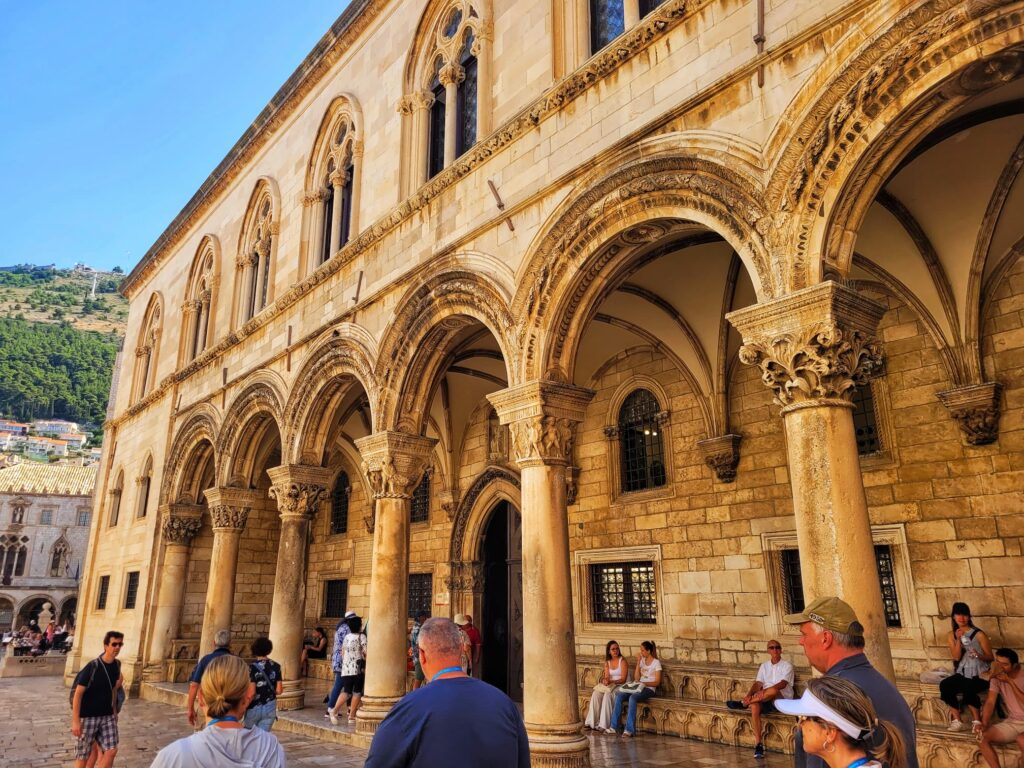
(502, 619)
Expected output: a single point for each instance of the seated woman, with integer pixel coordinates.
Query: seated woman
(972, 654)
(314, 648)
(615, 672)
(648, 672)
(839, 725)
(224, 695)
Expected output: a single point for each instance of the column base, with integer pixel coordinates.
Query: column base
(293, 696)
(558, 746)
(154, 672)
(372, 711)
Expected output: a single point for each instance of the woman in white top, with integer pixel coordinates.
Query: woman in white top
(839, 725)
(615, 672)
(648, 672)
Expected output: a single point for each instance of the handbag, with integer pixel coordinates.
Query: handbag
(631, 688)
(602, 688)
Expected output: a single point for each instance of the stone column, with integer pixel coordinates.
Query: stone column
(631, 13)
(229, 510)
(179, 523)
(813, 348)
(338, 180)
(450, 76)
(298, 491)
(394, 463)
(541, 418)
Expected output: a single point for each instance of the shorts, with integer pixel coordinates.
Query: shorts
(417, 669)
(1005, 732)
(102, 730)
(312, 653)
(353, 684)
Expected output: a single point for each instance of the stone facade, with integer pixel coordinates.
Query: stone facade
(805, 253)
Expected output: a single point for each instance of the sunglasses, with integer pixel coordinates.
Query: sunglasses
(116, 645)
(774, 647)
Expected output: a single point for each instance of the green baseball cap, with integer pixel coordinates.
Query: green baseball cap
(830, 613)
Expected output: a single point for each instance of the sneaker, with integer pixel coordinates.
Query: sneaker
(326, 715)
(334, 718)
(626, 734)
(610, 730)
(759, 751)
(956, 725)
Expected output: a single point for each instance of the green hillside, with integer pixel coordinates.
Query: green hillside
(48, 295)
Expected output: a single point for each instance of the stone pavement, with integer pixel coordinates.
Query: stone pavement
(38, 735)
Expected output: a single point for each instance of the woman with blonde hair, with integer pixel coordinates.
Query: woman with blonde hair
(839, 725)
(224, 694)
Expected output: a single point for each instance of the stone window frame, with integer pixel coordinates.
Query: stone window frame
(908, 637)
(198, 310)
(330, 532)
(102, 592)
(619, 497)
(882, 402)
(597, 633)
(130, 592)
(147, 350)
(321, 597)
(145, 484)
(116, 497)
(426, 480)
(51, 511)
(433, 584)
(86, 513)
(573, 43)
(256, 258)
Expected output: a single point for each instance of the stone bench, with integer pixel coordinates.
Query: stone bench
(49, 664)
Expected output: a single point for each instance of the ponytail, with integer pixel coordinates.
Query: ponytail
(892, 749)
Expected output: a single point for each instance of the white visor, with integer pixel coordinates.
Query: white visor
(810, 705)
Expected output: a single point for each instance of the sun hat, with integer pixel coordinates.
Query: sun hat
(810, 705)
(350, 614)
(461, 620)
(830, 613)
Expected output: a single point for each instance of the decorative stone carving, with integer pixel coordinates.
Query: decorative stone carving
(541, 416)
(466, 577)
(451, 74)
(298, 489)
(812, 346)
(976, 409)
(229, 518)
(572, 484)
(394, 462)
(722, 454)
(179, 529)
(611, 431)
(465, 506)
(229, 507)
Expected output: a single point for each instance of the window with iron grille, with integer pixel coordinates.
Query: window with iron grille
(83, 517)
(421, 593)
(131, 590)
(640, 443)
(887, 579)
(339, 504)
(101, 593)
(435, 139)
(623, 593)
(793, 591)
(419, 510)
(646, 6)
(865, 424)
(335, 598)
(607, 21)
(46, 517)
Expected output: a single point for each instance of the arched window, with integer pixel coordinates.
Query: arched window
(13, 553)
(256, 253)
(339, 504)
(145, 480)
(147, 349)
(60, 558)
(334, 180)
(641, 455)
(115, 498)
(449, 85)
(198, 305)
(590, 25)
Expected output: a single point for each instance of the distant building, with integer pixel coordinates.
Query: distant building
(13, 427)
(40, 447)
(54, 427)
(75, 440)
(44, 532)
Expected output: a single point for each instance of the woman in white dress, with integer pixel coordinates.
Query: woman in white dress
(614, 674)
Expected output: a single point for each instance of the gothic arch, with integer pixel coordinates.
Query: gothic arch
(598, 232)
(899, 85)
(200, 429)
(416, 343)
(338, 357)
(199, 307)
(147, 349)
(492, 485)
(256, 257)
(259, 403)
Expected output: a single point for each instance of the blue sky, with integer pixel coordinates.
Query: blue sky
(113, 113)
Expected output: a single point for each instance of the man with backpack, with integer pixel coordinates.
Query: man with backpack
(94, 704)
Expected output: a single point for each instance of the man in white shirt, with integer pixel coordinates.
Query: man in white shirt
(774, 680)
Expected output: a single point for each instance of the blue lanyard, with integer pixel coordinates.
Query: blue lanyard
(225, 719)
(857, 763)
(446, 670)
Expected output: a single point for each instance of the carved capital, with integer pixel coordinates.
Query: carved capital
(313, 198)
(421, 100)
(813, 346)
(229, 507)
(541, 416)
(394, 462)
(406, 105)
(449, 503)
(722, 454)
(261, 250)
(179, 523)
(339, 179)
(228, 518)
(976, 409)
(465, 577)
(451, 74)
(298, 489)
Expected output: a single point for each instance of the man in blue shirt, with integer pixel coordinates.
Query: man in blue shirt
(455, 719)
(221, 640)
(833, 641)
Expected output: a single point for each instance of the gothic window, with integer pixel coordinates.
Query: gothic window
(199, 302)
(623, 593)
(437, 126)
(13, 553)
(419, 510)
(335, 598)
(145, 481)
(131, 590)
(641, 453)
(339, 504)
(607, 21)
(255, 253)
(865, 421)
(421, 593)
(102, 590)
(115, 499)
(147, 348)
(333, 181)
(60, 559)
(646, 6)
(466, 106)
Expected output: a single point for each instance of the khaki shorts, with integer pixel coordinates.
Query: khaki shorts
(1006, 731)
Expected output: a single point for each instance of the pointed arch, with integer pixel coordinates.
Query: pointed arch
(193, 445)
(494, 484)
(258, 406)
(147, 348)
(199, 307)
(257, 251)
(60, 558)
